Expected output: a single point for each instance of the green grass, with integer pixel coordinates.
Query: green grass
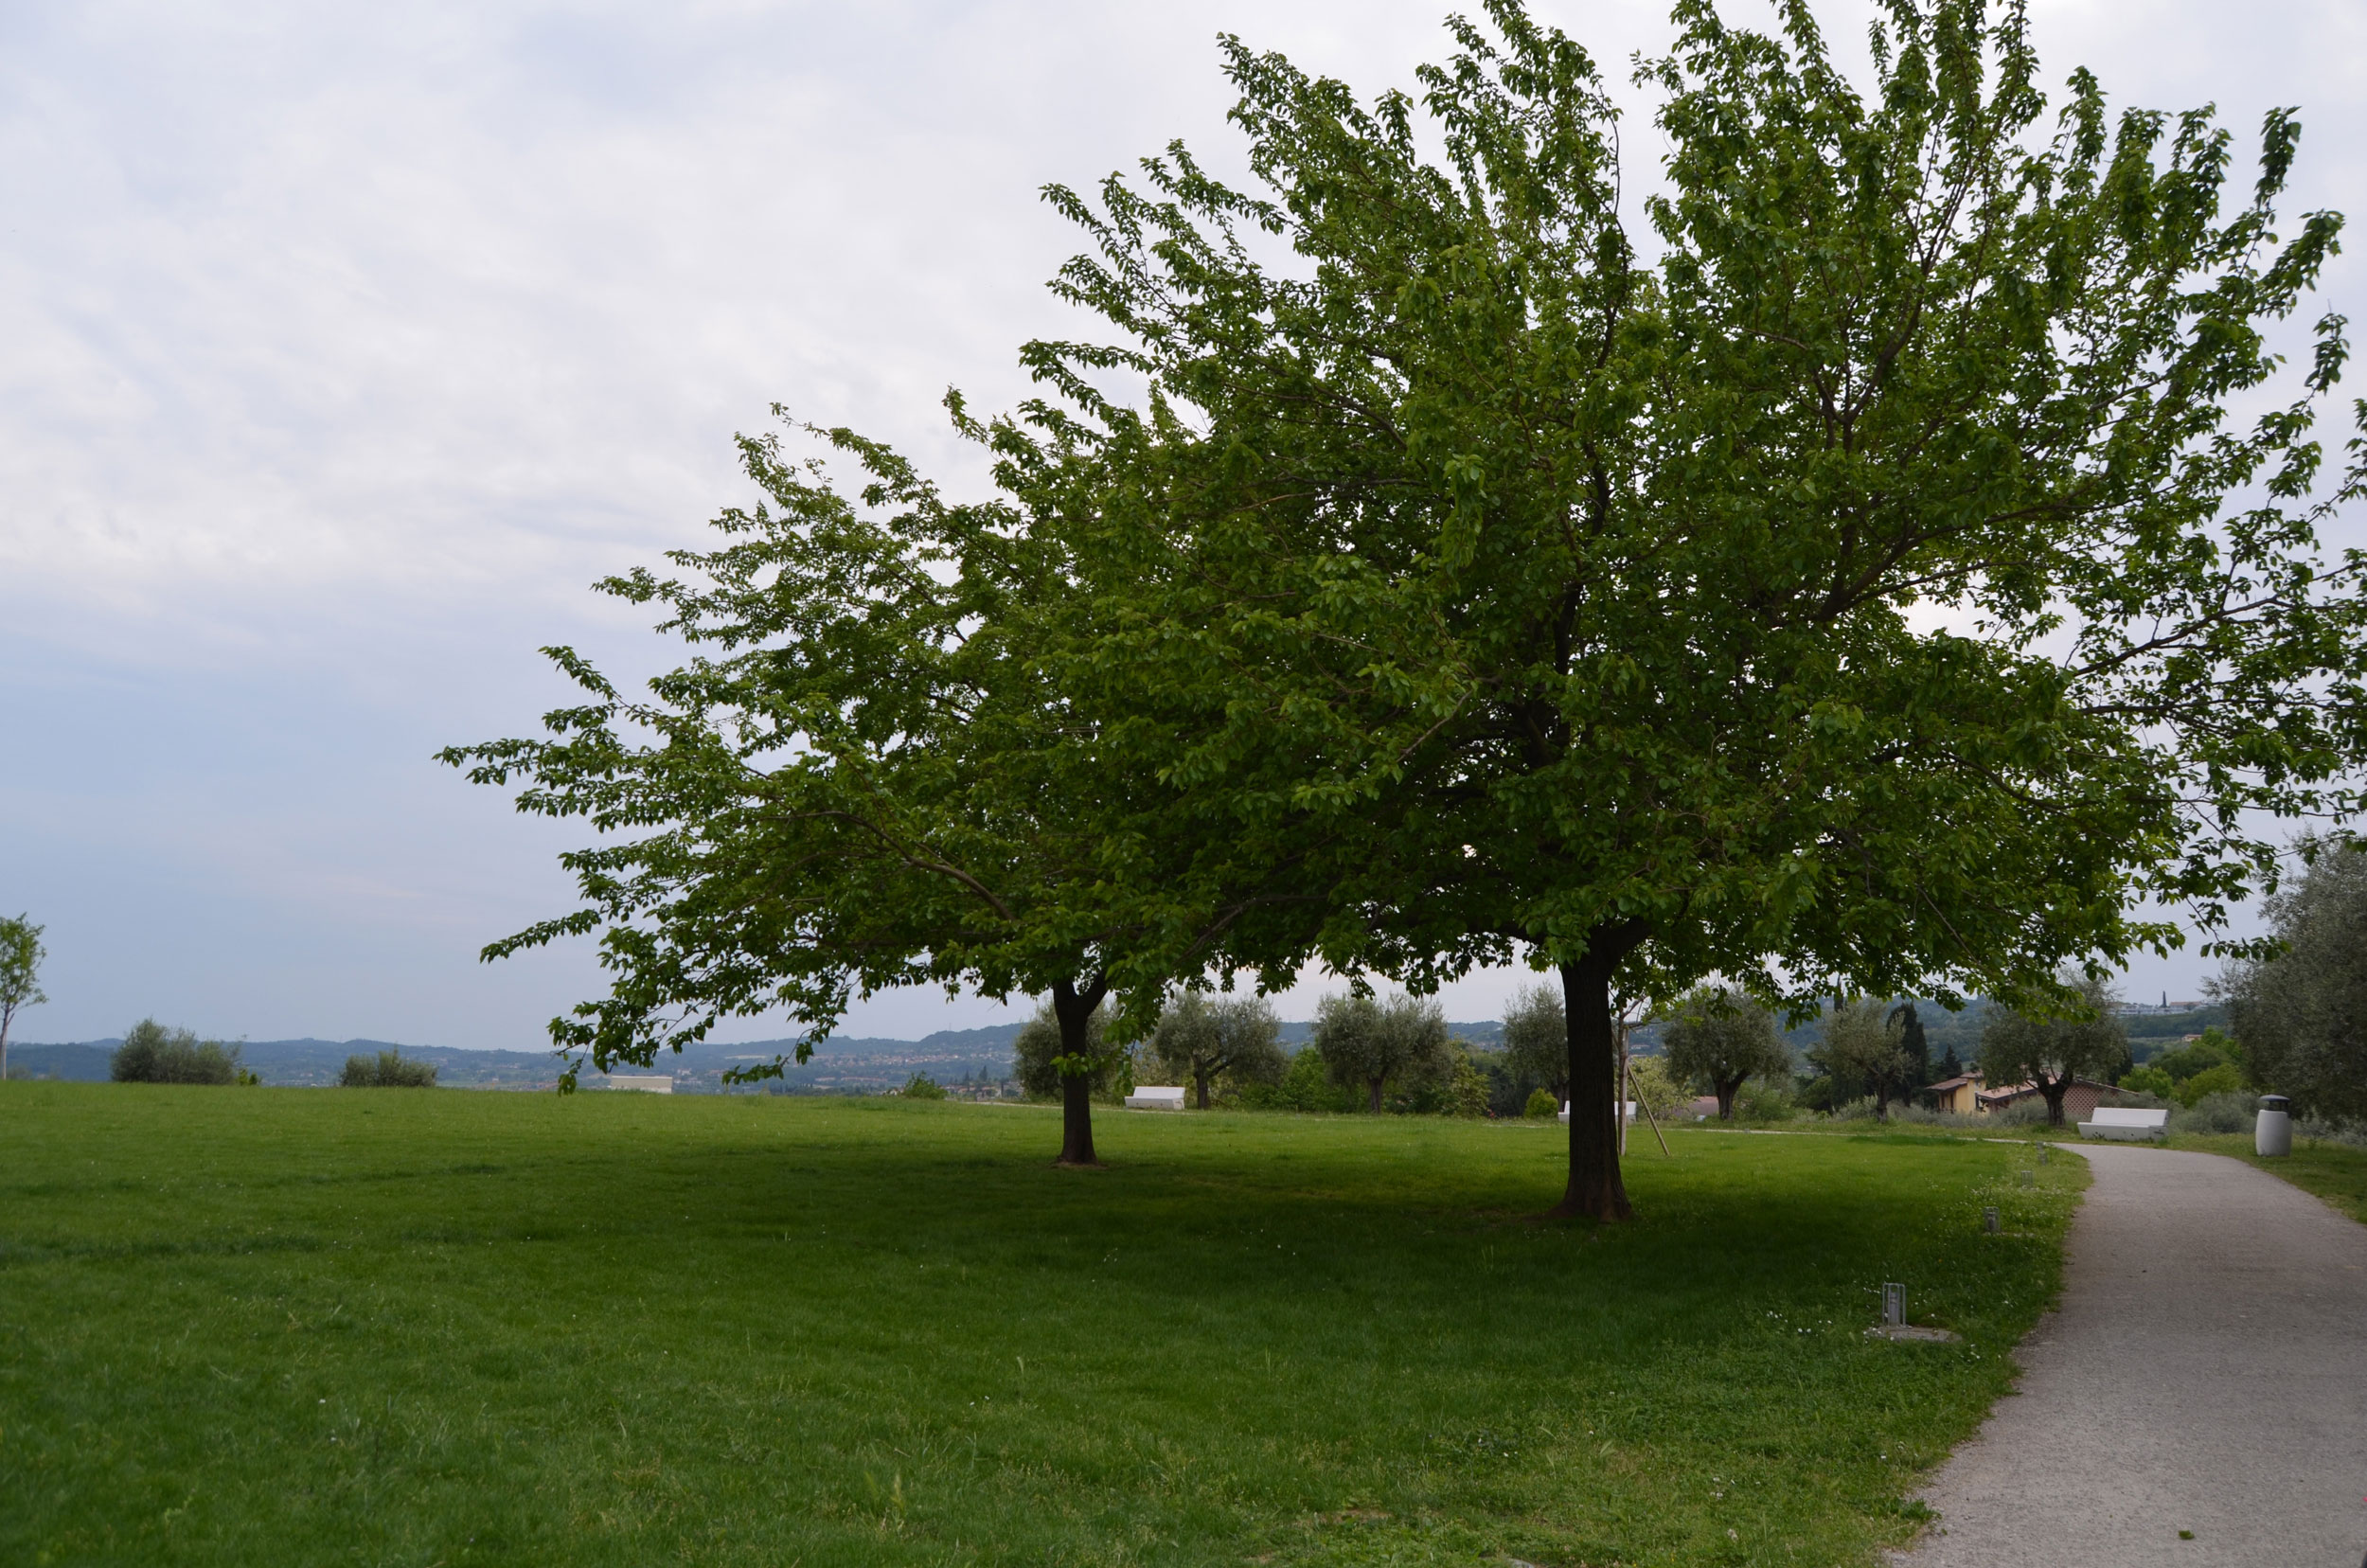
(252, 1327)
(2337, 1173)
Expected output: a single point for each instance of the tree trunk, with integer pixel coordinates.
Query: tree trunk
(1073, 1007)
(1201, 1080)
(1595, 1191)
(1373, 1084)
(1726, 1090)
(1077, 1121)
(2055, 1092)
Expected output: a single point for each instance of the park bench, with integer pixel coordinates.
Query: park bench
(2127, 1124)
(1156, 1097)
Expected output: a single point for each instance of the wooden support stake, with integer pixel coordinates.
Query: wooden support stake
(1644, 1107)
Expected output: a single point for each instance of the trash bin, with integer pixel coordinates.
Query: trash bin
(2272, 1133)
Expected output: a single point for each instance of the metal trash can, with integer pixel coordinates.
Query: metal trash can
(2272, 1131)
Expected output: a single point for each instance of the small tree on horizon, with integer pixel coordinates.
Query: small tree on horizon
(1042, 1045)
(1911, 1040)
(153, 1054)
(21, 953)
(387, 1070)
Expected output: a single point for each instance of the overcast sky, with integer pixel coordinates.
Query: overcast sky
(345, 346)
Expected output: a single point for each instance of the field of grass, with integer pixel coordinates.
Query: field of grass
(2337, 1173)
(420, 1327)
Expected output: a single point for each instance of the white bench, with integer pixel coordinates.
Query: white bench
(1155, 1096)
(1627, 1111)
(2127, 1124)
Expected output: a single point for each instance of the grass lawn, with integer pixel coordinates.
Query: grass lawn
(2337, 1173)
(418, 1327)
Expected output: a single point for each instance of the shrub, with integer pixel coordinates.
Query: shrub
(153, 1054)
(2149, 1080)
(1925, 1116)
(387, 1070)
(2328, 1132)
(2226, 1078)
(1306, 1087)
(2022, 1112)
(2225, 1111)
(921, 1086)
(1467, 1095)
(1542, 1105)
(1762, 1102)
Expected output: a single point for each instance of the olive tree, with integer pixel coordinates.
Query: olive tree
(1862, 1044)
(1537, 1040)
(1204, 1039)
(2301, 1014)
(1366, 1044)
(1719, 1037)
(2082, 1039)
(1042, 1045)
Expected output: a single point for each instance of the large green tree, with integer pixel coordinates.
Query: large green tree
(1874, 590)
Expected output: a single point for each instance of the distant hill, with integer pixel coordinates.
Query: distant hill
(72, 1064)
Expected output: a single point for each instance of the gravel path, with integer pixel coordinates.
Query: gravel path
(2207, 1373)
